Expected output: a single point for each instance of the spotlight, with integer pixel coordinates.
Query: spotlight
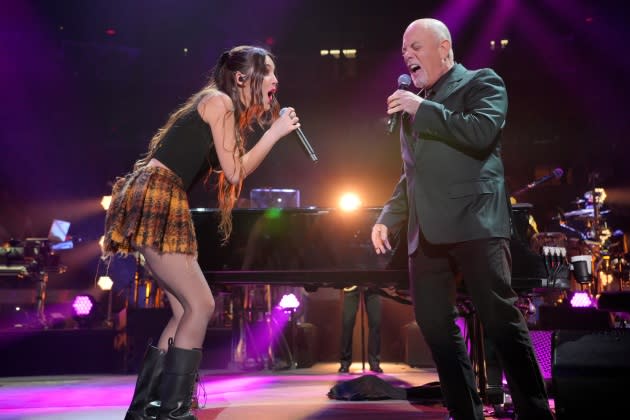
(349, 202)
(581, 300)
(83, 305)
(105, 201)
(105, 283)
(349, 53)
(289, 302)
(335, 53)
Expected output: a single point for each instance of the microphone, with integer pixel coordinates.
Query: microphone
(307, 146)
(404, 81)
(555, 174)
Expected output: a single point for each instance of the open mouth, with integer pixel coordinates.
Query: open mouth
(271, 94)
(414, 68)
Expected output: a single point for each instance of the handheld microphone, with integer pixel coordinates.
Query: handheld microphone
(307, 146)
(404, 81)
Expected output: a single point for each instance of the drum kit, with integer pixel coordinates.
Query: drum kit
(596, 256)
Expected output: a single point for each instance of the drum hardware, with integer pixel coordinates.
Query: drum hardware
(605, 248)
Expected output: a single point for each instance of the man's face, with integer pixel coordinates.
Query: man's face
(423, 55)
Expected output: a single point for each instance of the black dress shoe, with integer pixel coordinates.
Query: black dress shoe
(344, 369)
(376, 369)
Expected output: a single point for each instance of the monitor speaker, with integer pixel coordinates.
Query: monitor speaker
(591, 373)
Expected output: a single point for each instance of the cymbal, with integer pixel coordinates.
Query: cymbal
(586, 213)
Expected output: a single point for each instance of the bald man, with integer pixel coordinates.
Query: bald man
(452, 197)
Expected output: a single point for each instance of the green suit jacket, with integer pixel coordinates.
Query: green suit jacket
(452, 188)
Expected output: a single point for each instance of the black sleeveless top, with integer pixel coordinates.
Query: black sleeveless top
(188, 150)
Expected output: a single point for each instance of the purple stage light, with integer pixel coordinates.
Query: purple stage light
(82, 305)
(289, 302)
(581, 300)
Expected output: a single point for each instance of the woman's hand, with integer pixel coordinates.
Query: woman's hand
(286, 123)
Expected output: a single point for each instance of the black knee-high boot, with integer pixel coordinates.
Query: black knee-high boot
(147, 386)
(178, 383)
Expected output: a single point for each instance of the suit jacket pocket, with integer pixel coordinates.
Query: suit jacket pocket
(481, 186)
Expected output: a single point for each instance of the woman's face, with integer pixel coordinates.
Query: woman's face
(269, 84)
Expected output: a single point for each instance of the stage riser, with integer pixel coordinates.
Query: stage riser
(59, 352)
(26, 352)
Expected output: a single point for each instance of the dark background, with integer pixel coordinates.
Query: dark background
(85, 84)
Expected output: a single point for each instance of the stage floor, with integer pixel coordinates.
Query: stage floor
(229, 394)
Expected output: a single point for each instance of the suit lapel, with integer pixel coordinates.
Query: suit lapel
(456, 79)
(459, 77)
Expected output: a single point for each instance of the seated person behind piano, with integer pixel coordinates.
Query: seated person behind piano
(149, 212)
(372, 301)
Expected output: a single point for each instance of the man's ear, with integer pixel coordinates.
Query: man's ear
(445, 47)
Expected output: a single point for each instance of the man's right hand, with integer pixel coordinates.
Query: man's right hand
(379, 239)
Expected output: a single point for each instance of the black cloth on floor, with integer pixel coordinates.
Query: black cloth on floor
(371, 387)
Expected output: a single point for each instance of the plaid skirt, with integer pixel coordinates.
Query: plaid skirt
(149, 208)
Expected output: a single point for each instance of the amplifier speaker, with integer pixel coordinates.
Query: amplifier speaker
(569, 318)
(591, 373)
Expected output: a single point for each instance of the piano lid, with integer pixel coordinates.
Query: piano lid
(276, 239)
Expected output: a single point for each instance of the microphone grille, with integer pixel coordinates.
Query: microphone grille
(404, 81)
(282, 111)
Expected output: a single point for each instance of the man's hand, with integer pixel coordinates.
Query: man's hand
(379, 239)
(404, 101)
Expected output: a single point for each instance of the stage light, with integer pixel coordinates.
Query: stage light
(504, 43)
(323, 52)
(349, 202)
(349, 53)
(105, 283)
(581, 300)
(335, 53)
(289, 302)
(106, 201)
(83, 305)
(492, 45)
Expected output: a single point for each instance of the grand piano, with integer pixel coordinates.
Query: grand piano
(310, 247)
(322, 247)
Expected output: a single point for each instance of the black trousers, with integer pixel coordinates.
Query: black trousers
(485, 266)
(373, 308)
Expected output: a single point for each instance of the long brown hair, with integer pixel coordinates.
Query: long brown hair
(250, 61)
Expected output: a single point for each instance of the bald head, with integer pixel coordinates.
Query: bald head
(427, 51)
(435, 27)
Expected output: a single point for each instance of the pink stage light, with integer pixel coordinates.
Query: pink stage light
(82, 305)
(581, 300)
(289, 302)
